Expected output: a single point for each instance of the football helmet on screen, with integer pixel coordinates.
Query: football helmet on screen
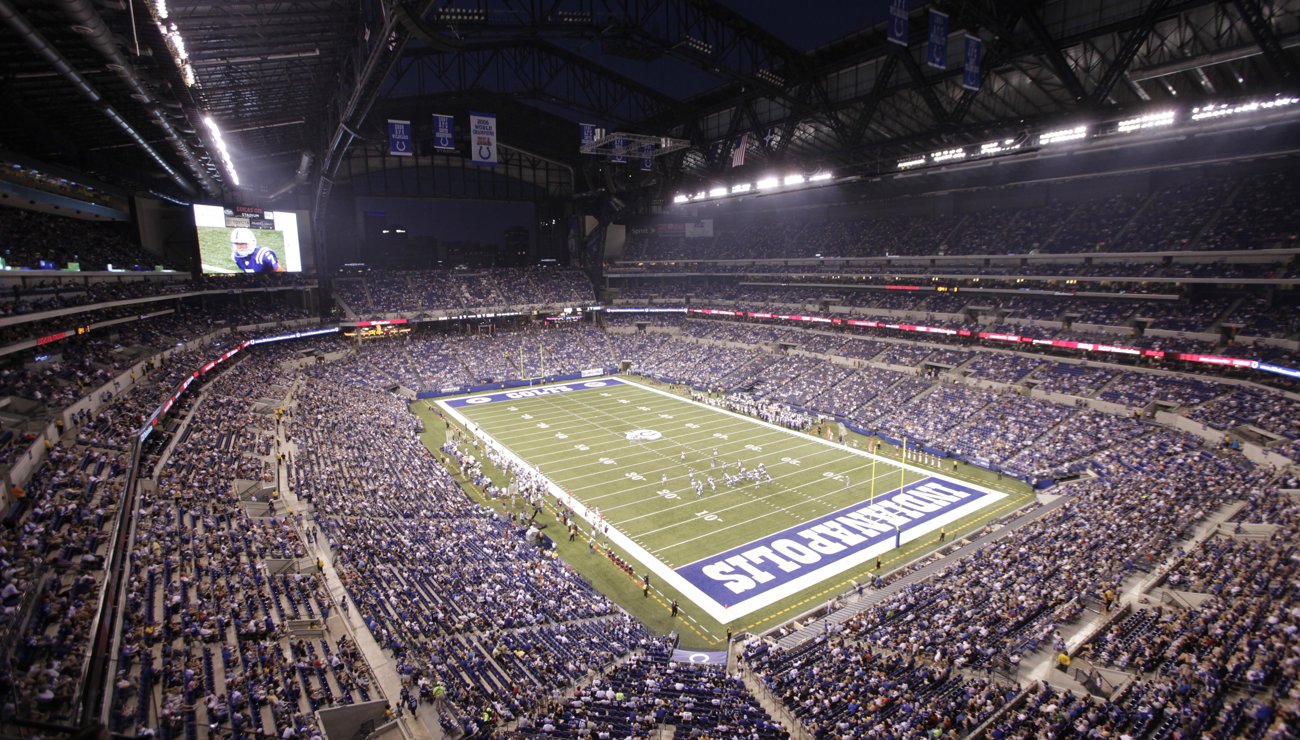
(243, 242)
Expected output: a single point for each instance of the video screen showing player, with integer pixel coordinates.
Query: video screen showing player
(244, 239)
(249, 256)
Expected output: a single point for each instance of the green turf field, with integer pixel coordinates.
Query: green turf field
(622, 455)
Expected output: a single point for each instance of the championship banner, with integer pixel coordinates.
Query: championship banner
(586, 134)
(970, 75)
(444, 133)
(898, 22)
(483, 139)
(647, 157)
(936, 54)
(399, 138)
(619, 154)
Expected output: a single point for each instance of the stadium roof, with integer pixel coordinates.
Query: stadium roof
(293, 84)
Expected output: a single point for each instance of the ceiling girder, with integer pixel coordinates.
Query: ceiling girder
(1124, 56)
(535, 67)
(1052, 53)
(872, 102)
(1252, 12)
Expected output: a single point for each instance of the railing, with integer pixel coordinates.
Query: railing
(1093, 680)
(23, 615)
(1169, 596)
(795, 726)
(106, 630)
(365, 730)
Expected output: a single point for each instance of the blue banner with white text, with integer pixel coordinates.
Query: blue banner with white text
(897, 32)
(936, 54)
(970, 74)
(399, 138)
(515, 395)
(586, 134)
(444, 133)
(749, 576)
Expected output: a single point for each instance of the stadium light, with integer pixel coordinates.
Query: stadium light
(703, 48)
(700, 195)
(794, 180)
(767, 183)
(742, 188)
(1223, 110)
(998, 147)
(906, 164)
(215, 131)
(680, 198)
(717, 192)
(1062, 135)
(948, 155)
(1150, 120)
(820, 177)
(173, 40)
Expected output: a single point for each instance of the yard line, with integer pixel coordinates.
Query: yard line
(617, 439)
(649, 483)
(834, 491)
(564, 407)
(747, 522)
(640, 419)
(737, 423)
(545, 444)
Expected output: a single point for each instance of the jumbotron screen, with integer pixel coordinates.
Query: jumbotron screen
(235, 239)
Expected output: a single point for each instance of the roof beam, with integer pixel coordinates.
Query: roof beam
(1055, 59)
(914, 71)
(1124, 57)
(1252, 13)
(869, 106)
(535, 67)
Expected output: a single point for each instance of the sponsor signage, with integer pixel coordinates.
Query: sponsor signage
(1216, 360)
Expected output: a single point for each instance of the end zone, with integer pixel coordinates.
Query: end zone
(769, 569)
(515, 394)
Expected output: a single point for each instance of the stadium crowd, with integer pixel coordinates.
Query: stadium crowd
(447, 290)
(230, 622)
(1187, 214)
(387, 515)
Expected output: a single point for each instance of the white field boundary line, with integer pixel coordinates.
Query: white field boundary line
(545, 447)
(677, 420)
(617, 446)
(790, 588)
(663, 572)
(724, 613)
(813, 438)
(762, 494)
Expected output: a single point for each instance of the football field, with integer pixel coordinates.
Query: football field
(675, 484)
